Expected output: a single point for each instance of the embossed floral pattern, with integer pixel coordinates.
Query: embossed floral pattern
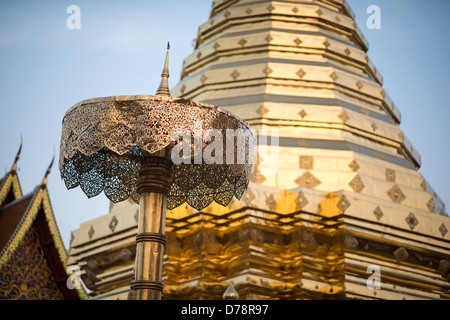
(104, 140)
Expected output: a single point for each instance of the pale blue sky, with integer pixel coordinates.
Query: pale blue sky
(119, 50)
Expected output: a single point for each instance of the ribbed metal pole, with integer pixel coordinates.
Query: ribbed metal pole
(153, 187)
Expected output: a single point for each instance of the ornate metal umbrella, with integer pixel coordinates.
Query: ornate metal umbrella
(125, 147)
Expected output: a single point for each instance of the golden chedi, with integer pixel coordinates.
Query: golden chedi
(346, 198)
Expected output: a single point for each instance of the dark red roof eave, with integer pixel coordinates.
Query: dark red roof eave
(53, 258)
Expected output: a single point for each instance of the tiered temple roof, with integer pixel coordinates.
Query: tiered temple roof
(32, 254)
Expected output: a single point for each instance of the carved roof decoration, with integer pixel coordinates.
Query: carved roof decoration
(32, 253)
(10, 189)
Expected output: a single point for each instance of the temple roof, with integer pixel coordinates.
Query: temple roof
(10, 217)
(32, 254)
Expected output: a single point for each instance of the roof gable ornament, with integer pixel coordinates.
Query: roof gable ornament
(10, 189)
(14, 166)
(49, 169)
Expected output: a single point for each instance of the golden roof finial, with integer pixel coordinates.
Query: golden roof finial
(14, 166)
(44, 181)
(230, 293)
(163, 89)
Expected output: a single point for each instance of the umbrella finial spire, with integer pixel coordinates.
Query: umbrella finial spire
(163, 89)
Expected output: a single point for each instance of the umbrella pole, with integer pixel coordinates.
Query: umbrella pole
(153, 187)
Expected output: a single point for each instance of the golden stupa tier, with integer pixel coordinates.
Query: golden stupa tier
(302, 68)
(277, 244)
(346, 194)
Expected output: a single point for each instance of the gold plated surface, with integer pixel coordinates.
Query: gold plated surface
(27, 276)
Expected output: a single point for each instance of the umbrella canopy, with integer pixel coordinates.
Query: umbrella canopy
(104, 141)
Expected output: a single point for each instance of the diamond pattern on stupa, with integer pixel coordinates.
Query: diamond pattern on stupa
(336, 85)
